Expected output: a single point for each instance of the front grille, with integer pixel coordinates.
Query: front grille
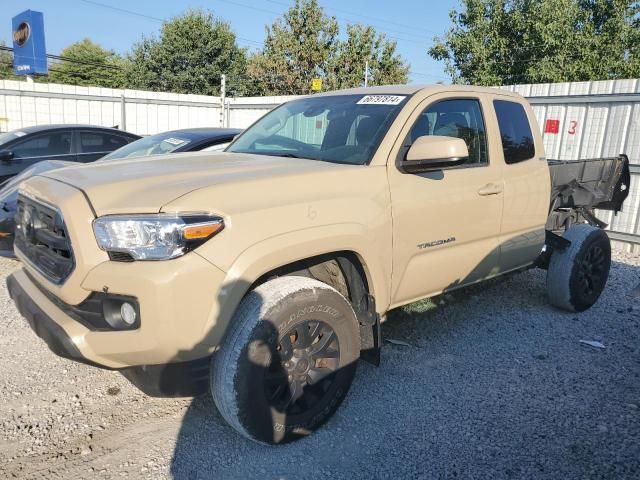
(42, 237)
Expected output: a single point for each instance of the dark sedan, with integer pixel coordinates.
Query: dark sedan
(188, 140)
(22, 148)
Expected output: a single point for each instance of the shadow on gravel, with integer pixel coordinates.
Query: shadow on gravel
(494, 384)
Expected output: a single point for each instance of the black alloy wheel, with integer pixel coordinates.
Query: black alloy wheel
(309, 357)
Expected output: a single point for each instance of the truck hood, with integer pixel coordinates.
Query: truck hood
(145, 185)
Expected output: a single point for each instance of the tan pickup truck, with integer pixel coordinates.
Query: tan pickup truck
(262, 274)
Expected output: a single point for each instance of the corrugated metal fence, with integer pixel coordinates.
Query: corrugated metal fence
(578, 120)
(24, 104)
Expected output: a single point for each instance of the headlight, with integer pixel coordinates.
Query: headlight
(155, 237)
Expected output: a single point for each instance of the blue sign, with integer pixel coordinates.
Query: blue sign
(29, 51)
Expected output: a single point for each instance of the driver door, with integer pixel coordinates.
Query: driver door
(446, 223)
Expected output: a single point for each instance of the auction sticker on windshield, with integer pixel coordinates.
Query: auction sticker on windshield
(381, 99)
(174, 141)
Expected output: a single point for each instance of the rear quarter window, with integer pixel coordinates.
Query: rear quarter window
(515, 131)
(101, 142)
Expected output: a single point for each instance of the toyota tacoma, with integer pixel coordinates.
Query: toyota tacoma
(262, 274)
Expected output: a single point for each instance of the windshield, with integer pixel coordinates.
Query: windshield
(338, 129)
(159, 144)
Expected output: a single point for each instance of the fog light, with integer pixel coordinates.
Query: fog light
(128, 313)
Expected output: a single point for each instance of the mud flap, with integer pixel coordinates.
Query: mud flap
(552, 242)
(370, 331)
(556, 241)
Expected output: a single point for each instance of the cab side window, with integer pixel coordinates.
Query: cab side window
(515, 131)
(57, 143)
(459, 119)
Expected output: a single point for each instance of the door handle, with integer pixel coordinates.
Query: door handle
(490, 189)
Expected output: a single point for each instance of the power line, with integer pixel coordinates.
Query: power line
(72, 60)
(265, 10)
(368, 17)
(123, 10)
(84, 62)
(149, 17)
(79, 73)
(259, 9)
(384, 30)
(239, 81)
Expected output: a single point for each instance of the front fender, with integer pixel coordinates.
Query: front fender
(280, 250)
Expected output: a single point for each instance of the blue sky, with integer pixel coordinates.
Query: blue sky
(412, 23)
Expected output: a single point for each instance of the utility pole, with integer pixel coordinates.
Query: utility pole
(366, 73)
(223, 95)
(123, 112)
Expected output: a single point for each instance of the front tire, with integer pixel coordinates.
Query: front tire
(577, 276)
(288, 360)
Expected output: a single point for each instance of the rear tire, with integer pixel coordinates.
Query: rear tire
(288, 360)
(577, 276)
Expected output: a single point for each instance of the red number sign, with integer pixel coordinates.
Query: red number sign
(552, 126)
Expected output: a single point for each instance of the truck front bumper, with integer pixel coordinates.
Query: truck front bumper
(42, 324)
(168, 354)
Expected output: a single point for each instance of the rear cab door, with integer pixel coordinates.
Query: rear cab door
(527, 184)
(447, 223)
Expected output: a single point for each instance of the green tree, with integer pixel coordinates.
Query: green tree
(364, 44)
(87, 63)
(495, 42)
(6, 64)
(298, 48)
(191, 54)
(305, 44)
(614, 34)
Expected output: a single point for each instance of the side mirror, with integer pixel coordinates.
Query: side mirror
(433, 152)
(6, 155)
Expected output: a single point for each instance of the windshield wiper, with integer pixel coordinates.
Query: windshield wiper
(289, 155)
(293, 155)
(282, 154)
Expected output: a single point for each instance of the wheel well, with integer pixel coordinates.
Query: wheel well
(345, 272)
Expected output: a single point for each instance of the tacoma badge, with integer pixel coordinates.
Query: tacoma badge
(435, 243)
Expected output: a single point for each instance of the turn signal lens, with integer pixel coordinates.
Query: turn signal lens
(201, 231)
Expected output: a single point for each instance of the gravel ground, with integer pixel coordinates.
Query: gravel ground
(494, 384)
